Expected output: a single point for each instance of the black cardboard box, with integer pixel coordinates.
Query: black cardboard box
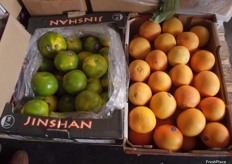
(105, 130)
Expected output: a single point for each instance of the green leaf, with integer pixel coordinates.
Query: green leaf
(166, 9)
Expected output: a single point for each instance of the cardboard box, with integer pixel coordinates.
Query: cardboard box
(118, 18)
(20, 43)
(123, 5)
(107, 130)
(53, 7)
(134, 23)
(222, 9)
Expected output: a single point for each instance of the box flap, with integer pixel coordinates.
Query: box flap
(13, 47)
(12, 6)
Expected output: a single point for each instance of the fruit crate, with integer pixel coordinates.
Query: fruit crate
(107, 129)
(209, 21)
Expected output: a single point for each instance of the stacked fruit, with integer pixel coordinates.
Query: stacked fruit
(72, 75)
(173, 94)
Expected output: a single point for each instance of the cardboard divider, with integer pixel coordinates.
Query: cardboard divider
(189, 21)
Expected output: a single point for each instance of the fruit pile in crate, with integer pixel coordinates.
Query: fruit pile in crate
(67, 71)
(63, 62)
(176, 93)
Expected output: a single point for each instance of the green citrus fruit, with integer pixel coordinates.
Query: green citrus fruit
(88, 101)
(95, 66)
(92, 44)
(74, 81)
(66, 103)
(66, 61)
(94, 85)
(60, 91)
(104, 97)
(51, 101)
(104, 42)
(74, 44)
(81, 56)
(36, 107)
(51, 43)
(105, 81)
(44, 84)
(46, 65)
(104, 51)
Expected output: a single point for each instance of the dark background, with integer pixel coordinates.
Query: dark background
(69, 153)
